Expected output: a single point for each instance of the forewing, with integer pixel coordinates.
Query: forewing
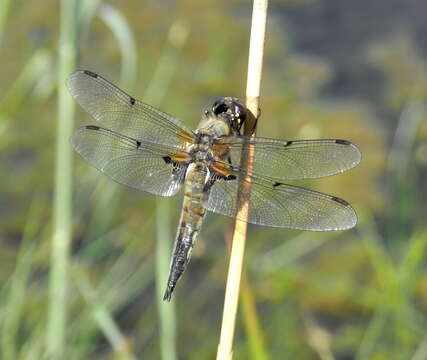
(142, 165)
(122, 113)
(280, 205)
(292, 160)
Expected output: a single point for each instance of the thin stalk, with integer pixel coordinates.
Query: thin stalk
(119, 342)
(63, 186)
(256, 51)
(421, 352)
(251, 322)
(4, 12)
(113, 295)
(15, 303)
(318, 338)
(126, 41)
(257, 347)
(34, 70)
(166, 311)
(154, 95)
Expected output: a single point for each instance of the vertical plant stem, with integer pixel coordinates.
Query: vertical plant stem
(256, 50)
(421, 352)
(14, 305)
(122, 347)
(166, 310)
(257, 348)
(4, 12)
(63, 186)
(125, 39)
(154, 94)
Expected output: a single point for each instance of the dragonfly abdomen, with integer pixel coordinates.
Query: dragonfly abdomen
(192, 214)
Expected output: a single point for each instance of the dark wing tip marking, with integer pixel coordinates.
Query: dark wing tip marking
(287, 143)
(342, 142)
(277, 184)
(92, 127)
(132, 100)
(90, 73)
(340, 201)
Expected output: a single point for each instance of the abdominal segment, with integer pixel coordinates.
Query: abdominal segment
(192, 215)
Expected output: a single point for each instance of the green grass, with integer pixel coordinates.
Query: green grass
(154, 95)
(4, 13)
(62, 220)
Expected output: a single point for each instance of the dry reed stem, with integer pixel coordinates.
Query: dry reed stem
(256, 49)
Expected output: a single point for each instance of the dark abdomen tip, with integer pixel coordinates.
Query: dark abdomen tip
(168, 293)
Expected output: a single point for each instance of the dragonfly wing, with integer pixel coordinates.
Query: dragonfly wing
(279, 205)
(142, 165)
(124, 114)
(292, 160)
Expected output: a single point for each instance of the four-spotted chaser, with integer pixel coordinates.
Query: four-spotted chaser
(142, 147)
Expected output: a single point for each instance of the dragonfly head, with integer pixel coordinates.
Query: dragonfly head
(231, 111)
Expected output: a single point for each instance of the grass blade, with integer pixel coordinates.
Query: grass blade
(125, 39)
(103, 317)
(63, 186)
(4, 12)
(15, 303)
(154, 94)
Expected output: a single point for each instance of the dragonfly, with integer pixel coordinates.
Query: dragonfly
(140, 146)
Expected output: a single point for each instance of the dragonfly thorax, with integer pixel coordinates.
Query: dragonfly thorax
(200, 150)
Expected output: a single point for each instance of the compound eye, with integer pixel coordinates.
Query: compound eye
(220, 108)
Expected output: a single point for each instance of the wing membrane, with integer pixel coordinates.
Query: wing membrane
(293, 160)
(138, 164)
(280, 205)
(122, 113)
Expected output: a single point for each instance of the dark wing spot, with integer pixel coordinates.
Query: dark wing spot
(218, 176)
(92, 127)
(287, 143)
(138, 144)
(343, 142)
(132, 101)
(341, 201)
(90, 73)
(167, 159)
(277, 184)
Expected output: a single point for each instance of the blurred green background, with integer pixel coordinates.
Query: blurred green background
(333, 69)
